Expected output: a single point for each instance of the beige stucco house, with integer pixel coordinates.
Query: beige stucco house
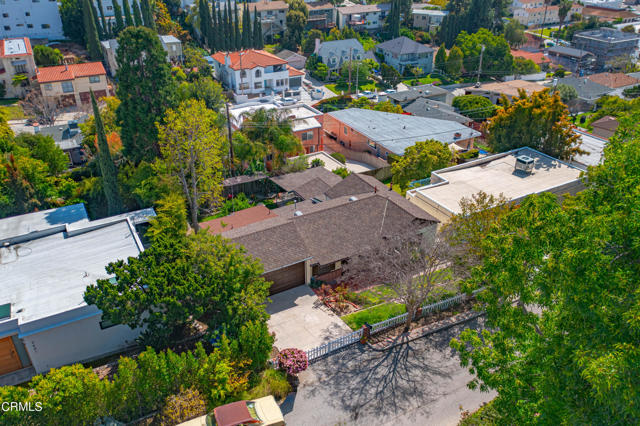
(70, 85)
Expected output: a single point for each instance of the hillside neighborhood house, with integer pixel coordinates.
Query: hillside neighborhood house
(369, 17)
(272, 16)
(170, 44)
(514, 174)
(16, 58)
(70, 85)
(47, 260)
(402, 53)
(32, 19)
(255, 73)
(338, 52)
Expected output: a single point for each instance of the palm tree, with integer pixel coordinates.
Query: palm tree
(563, 10)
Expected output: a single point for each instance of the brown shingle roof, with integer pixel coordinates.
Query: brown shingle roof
(354, 184)
(613, 80)
(607, 122)
(293, 181)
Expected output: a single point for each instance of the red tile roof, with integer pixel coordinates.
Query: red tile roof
(613, 80)
(69, 72)
(27, 45)
(537, 57)
(294, 72)
(250, 59)
(238, 219)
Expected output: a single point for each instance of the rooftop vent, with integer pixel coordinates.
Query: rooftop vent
(524, 163)
(352, 198)
(457, 135)
(297, 213)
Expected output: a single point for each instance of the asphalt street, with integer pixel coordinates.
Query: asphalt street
(418, 383)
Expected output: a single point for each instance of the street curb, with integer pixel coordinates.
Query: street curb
(427, 333)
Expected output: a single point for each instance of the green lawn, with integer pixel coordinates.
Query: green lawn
(13, 112)
(373, 296)
(337, 88)
(373, 315)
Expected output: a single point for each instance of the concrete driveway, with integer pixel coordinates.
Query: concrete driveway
(300, 320)
(418, 383)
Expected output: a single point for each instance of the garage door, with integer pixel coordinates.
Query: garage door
(286, 278)
(9, 360)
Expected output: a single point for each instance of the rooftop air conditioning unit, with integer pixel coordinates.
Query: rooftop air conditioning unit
(524, 163)
(297, 213)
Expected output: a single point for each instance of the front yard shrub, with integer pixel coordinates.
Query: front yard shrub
(272, 382)
(373, 315)
(186, 405)
(292, 361)
(340, 157)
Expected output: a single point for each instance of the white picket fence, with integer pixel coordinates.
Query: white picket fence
(351, 338)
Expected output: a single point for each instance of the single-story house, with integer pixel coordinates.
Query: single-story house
(514, 174)
(605, 127)
(588, 92)
(428, 91)
(383, 133)
(510, 89)
(68, 138)
(47, 260)
(423, 107)
(314, 237)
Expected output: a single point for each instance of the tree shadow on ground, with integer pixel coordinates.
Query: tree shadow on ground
(384, 383)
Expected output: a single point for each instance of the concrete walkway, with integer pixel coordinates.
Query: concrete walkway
(300, 320)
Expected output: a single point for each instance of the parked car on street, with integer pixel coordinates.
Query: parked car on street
(259, 412)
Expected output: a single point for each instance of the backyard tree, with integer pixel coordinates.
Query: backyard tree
(46, 56)
(37, 107)
(390, 75)
(454, 62)
(180, 279)
(296, 18)
(497, 53)
(171, 218)
(419, 160)
(191, 145)
(539, 121)
(145, 89)
(560, 343)
(352, 71)
(567, 93)
(474, 106)
(440, 61)
(514, 33)
(71, 15)
(108, 170)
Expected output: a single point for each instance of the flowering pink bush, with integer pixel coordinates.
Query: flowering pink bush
(292, 361)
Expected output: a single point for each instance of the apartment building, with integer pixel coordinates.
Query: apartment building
(16, 58)
(272, 16)
(426, 19)
(70, 85)
(322, 15)
(35, 19)
(607, 44)
(368, 17)
(535, 13)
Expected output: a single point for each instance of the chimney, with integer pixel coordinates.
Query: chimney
(317, 46)
(375, 189)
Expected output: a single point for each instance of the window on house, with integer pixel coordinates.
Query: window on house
(307, 136)
(67, 87)
(27, 14)
(258, 73)
(311, 149)
(243, 74)
(48, 86)
(20, 68)
(109, 7)
(7, 28)
(5, 311)
(258, 85)
(346, 132)
(45, 26)
(94, 79)
(29, 25)
(6, 15)
(244, 86)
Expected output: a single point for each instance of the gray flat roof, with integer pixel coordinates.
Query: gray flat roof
(15, 226)
(594, 147)
(496, 175)
(397, 132)
(48, 275)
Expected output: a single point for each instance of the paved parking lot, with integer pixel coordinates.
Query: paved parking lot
(301, 321)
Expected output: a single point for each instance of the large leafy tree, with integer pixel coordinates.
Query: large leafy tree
(191, 145)
(514, 33)
(108, 169)
(145, 89)
(43, 148)
(539, 121)
(563, 301)
(419, 160)
(46, 56)
(497, 53)
(71, 14)
(474, 106)
(440, 61)
(182, 279)
(297, 16)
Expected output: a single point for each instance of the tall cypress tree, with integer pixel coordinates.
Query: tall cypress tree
(260, 41)
(220, 30)
(117, 12)
(246, 28)
(137, 15)
(229, 26)
(147, 16)
(96, 19)
(225, 33)
(204, 25)
(91, 31)
(257, 31)
(128, 19)
(108, 169)
(214, 28)
(236, 29)
(103, 20)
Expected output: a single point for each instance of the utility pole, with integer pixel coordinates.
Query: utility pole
(357, 75)
(231, 156)
(480, 64)
(350, 51)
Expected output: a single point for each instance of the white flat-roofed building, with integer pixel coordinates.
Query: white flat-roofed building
(38, 19)
(593, 147)
(496, 174)
(47, 260)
